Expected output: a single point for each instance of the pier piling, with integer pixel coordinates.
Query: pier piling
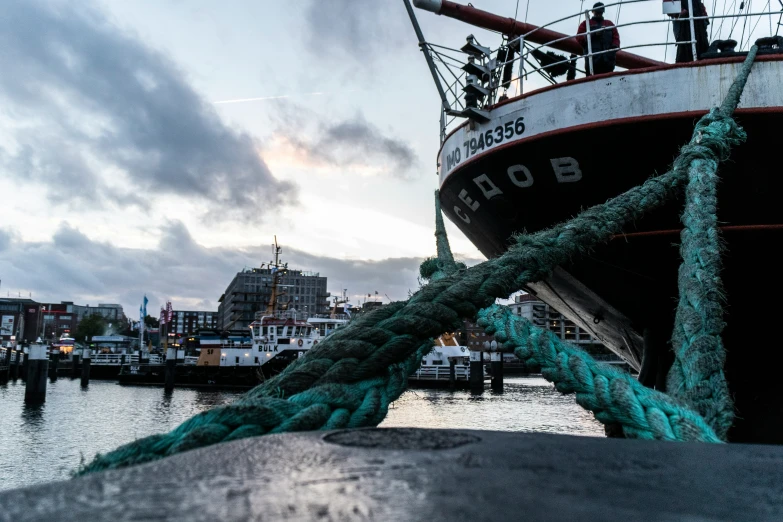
(86, 358)
(171, 369)
(25, 362)
(54, 362)
(16, 364)
(477, 372)
(5, 366)
(37, 370)
(496, 366)
(75, 364)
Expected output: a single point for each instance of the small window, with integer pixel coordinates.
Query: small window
(279, 331)
(437, 363)
(237, 359)
(256, 360)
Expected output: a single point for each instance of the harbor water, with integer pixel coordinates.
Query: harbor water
(46, 443)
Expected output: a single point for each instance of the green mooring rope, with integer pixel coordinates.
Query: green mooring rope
(697, 373)
(349, 379)
(611, 394)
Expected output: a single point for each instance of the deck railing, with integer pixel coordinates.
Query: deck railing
(510, 76)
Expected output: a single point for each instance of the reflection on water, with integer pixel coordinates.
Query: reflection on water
(47, 442)
(526, 404)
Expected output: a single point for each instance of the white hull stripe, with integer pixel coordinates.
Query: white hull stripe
(649, 94)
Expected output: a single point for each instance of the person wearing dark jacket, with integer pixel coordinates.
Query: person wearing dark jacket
(602, 38)
(682, 32)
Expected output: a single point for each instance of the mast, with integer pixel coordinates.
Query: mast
(514, 28)
(274, 266)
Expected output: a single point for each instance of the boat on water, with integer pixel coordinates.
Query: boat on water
(447, 365)
(276, 338)
(517, 156)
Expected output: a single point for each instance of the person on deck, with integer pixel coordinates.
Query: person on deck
(601, 39)
(682, 32)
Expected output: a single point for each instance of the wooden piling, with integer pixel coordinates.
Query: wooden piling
(452, 374)
(37, 370)
(86, 358)
(477, 372)
(496, 364)
(171, 369)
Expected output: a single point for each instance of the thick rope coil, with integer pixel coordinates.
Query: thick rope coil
(613, 395)
(349, 379)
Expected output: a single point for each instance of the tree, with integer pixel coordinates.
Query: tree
(151, 322)
(90, 326)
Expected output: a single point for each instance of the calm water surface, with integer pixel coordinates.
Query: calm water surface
(48, 442)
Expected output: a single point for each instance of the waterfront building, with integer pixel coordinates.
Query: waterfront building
(250, 290)
(19, 319)
(187, 322)
(544, 316)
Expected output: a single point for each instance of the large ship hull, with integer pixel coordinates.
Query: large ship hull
(566, 148)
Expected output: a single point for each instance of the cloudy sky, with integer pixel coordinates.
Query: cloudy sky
(157, 146)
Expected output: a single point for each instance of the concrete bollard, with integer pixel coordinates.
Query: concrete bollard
(496, 362)
(75, 369)
(171, 369)
(477, 372)
(86, 358)
(37, 370)
(54, 362)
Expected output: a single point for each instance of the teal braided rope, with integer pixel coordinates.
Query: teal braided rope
(613, 395)
(352, 376)
(436, 268)
(696, 376)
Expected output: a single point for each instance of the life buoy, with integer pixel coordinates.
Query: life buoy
(301, 342)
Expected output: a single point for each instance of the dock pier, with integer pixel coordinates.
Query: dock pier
(420, 475)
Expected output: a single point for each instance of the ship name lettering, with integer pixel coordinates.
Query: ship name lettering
(486, 185)
(513, 174)
(472, 205)
(460, 214)
(566, 169)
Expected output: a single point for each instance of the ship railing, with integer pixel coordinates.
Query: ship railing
(524, 65)
(438, 373)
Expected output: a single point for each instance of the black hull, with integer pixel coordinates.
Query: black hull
(636, 274)
(242, 377)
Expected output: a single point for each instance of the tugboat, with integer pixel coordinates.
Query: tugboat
(277, 338)
(525, 161)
